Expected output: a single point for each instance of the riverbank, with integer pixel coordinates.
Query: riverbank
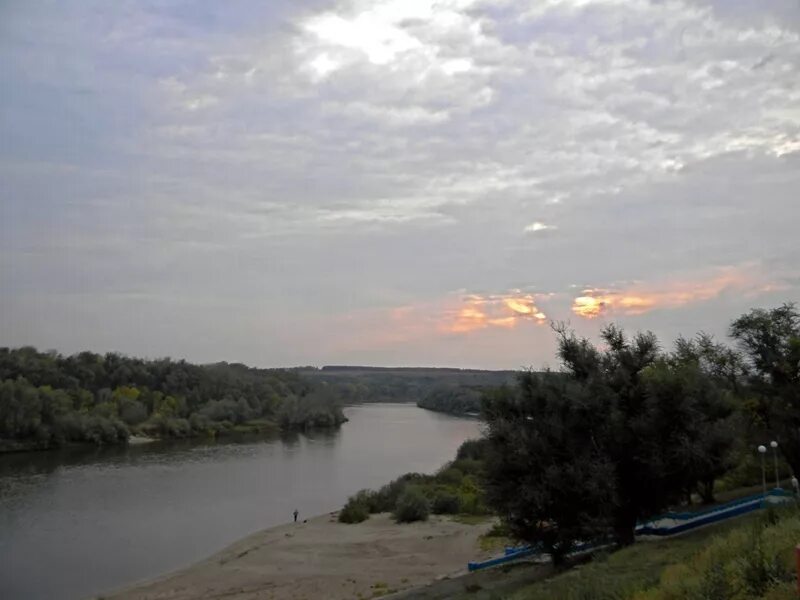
(322, 558)
(146, 435)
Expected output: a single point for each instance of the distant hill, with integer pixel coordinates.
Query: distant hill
(436, 370)
(430, 387)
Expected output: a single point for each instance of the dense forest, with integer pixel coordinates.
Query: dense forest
(47, 399)
(428, 387)
(454, 399)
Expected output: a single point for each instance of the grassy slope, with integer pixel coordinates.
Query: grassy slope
(627, 569)
(716, 562)
(746, 558)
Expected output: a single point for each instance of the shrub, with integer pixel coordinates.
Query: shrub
(759, 571)
(446, 504)
(472, 449)
(161, 426)
(177, 428)
(132, 412)
(355, 511)
(385, 499)
(369, 499)
(472, 504)
(716, 583)
(450, 476)
(201, 423)
(411, 506)
(468, 466)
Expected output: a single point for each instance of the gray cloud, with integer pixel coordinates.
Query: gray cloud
(261, 179)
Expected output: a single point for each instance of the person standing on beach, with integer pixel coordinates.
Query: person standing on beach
(295, 515)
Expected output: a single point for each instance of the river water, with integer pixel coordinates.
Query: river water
(75, 524)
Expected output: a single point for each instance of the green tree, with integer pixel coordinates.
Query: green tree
(770, 339)
(545, 474)
(47, 398)
(616, 437)
(695, 420)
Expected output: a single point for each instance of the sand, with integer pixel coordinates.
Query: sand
(325, 559)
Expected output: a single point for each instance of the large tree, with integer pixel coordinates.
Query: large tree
(617, 436)
(770, 340)
(546, 475)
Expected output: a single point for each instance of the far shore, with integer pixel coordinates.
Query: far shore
(136, 440)
(322, 558)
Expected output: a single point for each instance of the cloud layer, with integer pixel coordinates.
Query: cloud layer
(354, 181)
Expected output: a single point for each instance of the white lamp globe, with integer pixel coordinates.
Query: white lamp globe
(762, 449)
(773, 444)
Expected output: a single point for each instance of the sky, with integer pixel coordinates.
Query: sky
(393, 182)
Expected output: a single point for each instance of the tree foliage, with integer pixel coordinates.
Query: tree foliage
(47, 399)
(770, 340)
(412, 505)
(617, 436)
(545, 474)
(453, 399)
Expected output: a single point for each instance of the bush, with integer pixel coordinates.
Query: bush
(369, 499)
(450, 476)
(411, 506)
(201, 423)
(754, 560)
(385, 499)
(132, 412)
(715, 583)
(468, 466)
(472, 450)
(160, 426)
(472, 504)
(446, 504)
(355, 511)
(759, 570)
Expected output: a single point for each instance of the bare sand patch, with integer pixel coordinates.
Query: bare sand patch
(324, 559)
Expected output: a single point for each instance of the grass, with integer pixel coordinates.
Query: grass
(751, 557)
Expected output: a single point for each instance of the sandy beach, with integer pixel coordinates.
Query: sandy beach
(322, 558)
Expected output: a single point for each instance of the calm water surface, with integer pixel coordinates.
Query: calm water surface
(76, 524)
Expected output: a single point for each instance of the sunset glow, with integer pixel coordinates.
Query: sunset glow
(480, 312)
(362, 182)
(640, 299)
(588, 306)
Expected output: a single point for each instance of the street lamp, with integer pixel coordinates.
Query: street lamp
(774, 445)
(762, 450)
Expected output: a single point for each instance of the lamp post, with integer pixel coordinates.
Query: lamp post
(774, 445)
(762, 450)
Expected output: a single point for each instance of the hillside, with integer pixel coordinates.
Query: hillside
(354, 384)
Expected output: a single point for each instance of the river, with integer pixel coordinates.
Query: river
(77, 523)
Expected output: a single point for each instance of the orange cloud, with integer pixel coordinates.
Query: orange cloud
(480, 312)
(639, 299)
(589, 306)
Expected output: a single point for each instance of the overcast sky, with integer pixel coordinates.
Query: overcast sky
(392, 182)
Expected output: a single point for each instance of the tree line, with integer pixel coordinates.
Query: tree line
(626, 429)
(405, 384)
(47, 399)
(454, 399)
